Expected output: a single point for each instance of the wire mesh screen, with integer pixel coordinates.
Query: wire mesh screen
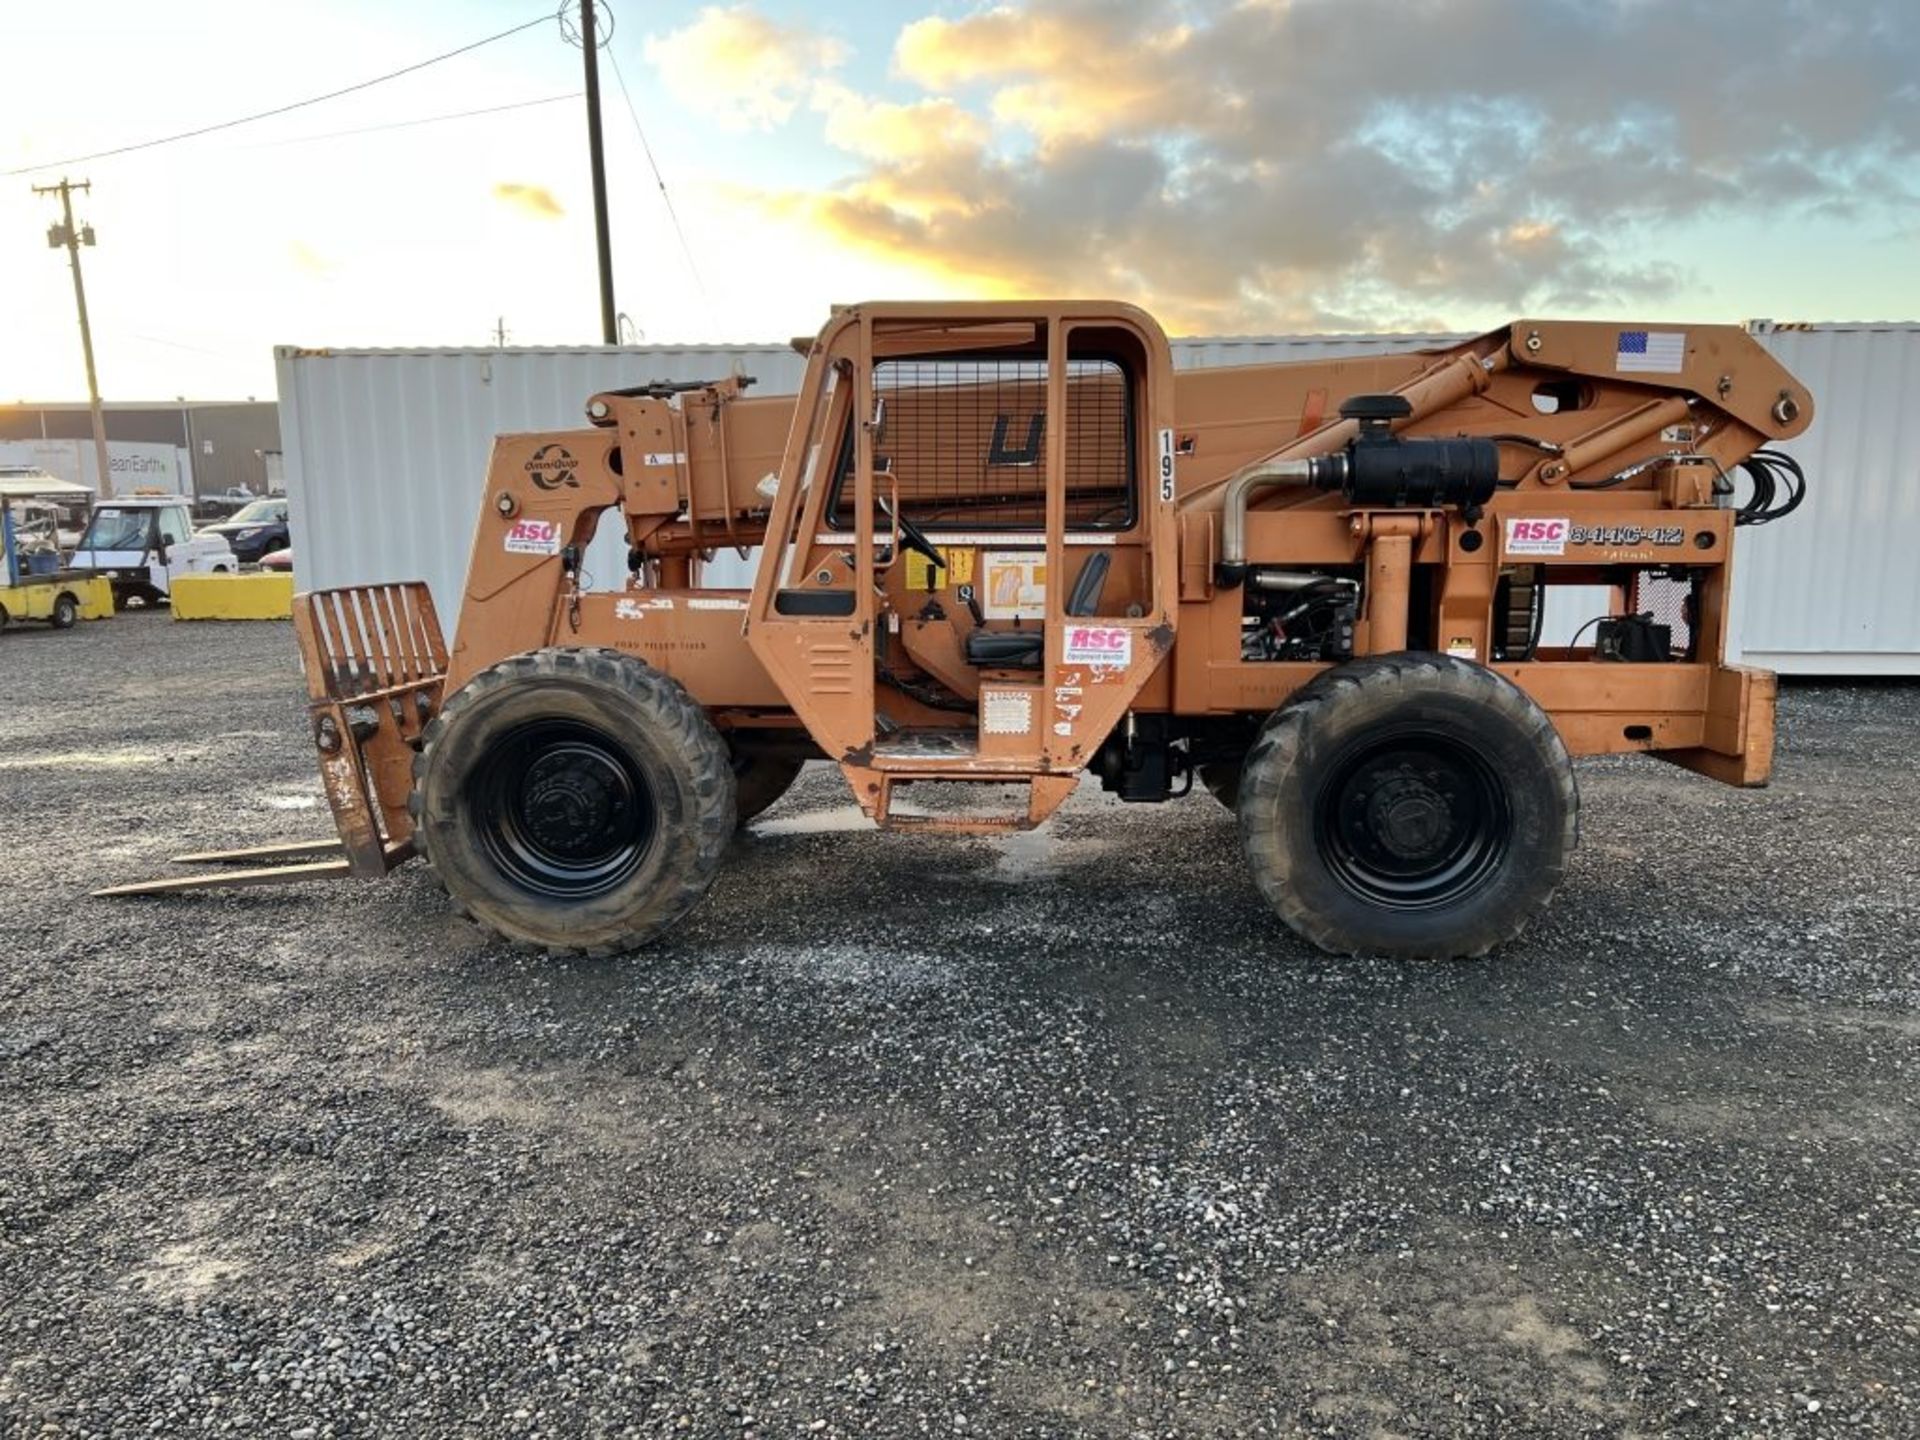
(1667, 596)
(964, 442)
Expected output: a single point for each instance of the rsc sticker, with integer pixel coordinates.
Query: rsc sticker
(1098, 645)
(533, 537)
(1527, 535)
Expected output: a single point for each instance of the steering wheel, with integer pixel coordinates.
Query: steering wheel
(914, 537)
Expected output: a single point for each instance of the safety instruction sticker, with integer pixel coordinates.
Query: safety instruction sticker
(958, 571)
(1015, 583)
(533, 537)
(1528, 535)
(1069, 699)
(1098, 645)
(1007, 712)
(638, 609)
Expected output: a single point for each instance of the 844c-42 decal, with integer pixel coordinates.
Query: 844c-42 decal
(1627, 535)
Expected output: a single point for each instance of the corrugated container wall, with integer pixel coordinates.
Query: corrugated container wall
(386, 454)
(1834, 589)
(386, 450)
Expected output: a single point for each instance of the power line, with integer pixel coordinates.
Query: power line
(660, 180)
(175, 344)
(283, 109)
(423, 120)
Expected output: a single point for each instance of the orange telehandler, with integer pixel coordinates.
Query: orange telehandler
(1006, 544)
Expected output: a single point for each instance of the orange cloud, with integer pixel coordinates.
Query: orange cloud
(743, 69)
(883, 130)
(1072, 74)
(534, 200)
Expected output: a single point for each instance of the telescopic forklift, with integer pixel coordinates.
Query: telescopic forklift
(1002, 545)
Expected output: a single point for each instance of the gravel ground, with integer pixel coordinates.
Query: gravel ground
(1058, 1135)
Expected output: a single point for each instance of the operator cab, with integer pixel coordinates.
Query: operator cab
(945, 472)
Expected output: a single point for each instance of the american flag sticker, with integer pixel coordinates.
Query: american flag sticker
(1650, 352)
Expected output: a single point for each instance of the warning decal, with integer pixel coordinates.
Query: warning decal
(1016, 583)
(1006, 712)
(958, 570)
(1069, 699)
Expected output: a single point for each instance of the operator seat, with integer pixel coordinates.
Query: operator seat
(1006, 649)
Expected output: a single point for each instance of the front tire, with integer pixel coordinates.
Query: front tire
(574, 799)
(65, 611)
(1408, 805)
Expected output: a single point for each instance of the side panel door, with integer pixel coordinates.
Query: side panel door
(173, 539)
(811, 619)
(1097, 662)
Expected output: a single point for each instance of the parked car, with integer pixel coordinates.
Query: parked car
(254, 529)
(280, 561)
(222, 504)
(143, 543)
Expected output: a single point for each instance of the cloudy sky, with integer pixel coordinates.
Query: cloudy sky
(1242, 166)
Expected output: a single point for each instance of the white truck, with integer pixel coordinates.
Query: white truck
(142, 543)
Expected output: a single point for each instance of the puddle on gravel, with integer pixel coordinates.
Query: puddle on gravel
(824, 822)
(814, 822)
(1026, 855)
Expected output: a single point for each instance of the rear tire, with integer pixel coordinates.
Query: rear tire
(574, 799)
(1408, 805)
(65, 611)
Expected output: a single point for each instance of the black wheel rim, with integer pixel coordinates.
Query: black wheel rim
(1412, 821)
(562, 810)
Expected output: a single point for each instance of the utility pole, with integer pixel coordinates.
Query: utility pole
(500, 333)
(64, 234)
(596, 156)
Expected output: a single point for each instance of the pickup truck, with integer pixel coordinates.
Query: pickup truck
(142, 543)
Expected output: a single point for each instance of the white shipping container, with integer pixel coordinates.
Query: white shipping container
(386, 455)
(386, 450)
(1834, 589)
